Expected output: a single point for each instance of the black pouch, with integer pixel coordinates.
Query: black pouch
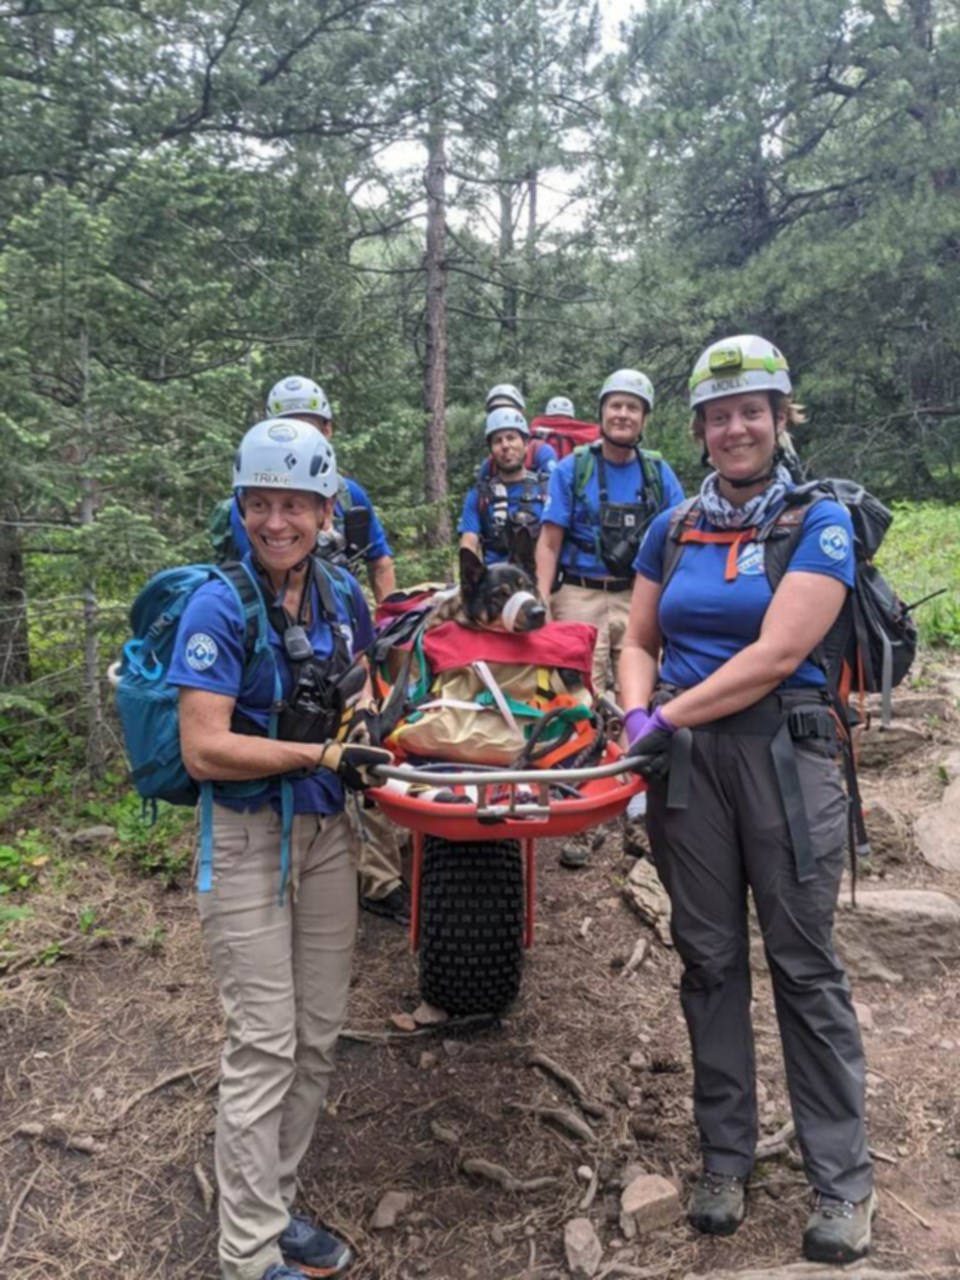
(356, 531)
(621, 529)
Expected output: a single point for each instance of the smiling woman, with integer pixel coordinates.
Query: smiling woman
(278, 900)
(756, 801)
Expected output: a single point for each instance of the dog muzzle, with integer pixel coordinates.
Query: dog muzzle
(518, 608)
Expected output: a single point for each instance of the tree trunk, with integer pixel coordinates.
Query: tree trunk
(95, 752)
(14, 638)
(438, 531)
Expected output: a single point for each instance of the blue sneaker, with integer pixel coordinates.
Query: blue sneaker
(315, 1251)
(279, 1272)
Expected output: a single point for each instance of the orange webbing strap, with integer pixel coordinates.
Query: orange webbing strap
(732, 538)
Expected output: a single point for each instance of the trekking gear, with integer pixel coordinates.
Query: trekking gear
(745, 362)
(505, 420)
(838, 1231)
(313, 1249)
(872, 645)
(717, 1204)
(562, 434)
(482, 695)
(353, 761)
(505, 391)
(629, 382)
(498, 523)
(292, 396)
(283, 453)
(559, 407)
(621, 525)
(149, 707)
(394, 905)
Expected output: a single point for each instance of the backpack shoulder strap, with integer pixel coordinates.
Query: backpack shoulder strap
(333, 583)
(585, 455)
(685, 516)
(344, 496)
(782, 534)
(245, 587)
(651, 467)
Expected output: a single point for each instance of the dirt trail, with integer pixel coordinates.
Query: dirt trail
(113, 1049)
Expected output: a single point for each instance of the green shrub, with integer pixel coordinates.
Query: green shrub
(920, 555)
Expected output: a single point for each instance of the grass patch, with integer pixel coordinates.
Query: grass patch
(921, 554)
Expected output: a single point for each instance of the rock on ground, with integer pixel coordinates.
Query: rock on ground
(889, 832)
(646, 1203)
(582, 1248)
(813, 1271)
(938, 831)
(391, 1205)
(644, 892)
(880, 747)
(894, 934)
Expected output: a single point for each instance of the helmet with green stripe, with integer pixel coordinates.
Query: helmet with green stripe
(744, 362)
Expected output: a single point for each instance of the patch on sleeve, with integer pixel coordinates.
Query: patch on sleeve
(201, 651)
(835, 542)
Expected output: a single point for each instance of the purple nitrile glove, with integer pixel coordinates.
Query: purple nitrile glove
(657, 721)
(635, 723)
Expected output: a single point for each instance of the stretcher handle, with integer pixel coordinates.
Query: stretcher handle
(496, 776)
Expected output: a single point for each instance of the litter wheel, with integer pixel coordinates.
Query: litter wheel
(471, 925)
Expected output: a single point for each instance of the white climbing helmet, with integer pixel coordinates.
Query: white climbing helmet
(282, 454)
(505, 391)
(744, 362)
(630, 382)
(291, 397)
(506, 420)
(559, 407)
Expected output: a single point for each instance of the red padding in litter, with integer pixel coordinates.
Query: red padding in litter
(558, 644)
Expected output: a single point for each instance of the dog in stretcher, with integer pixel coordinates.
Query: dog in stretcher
(500, 597)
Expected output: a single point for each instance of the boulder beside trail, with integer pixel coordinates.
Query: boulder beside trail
(938, 830)
(895, 934)
(880, 747)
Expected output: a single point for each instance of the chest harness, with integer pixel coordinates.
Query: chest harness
(498, 523)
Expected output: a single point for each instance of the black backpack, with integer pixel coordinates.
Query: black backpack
(872, 645)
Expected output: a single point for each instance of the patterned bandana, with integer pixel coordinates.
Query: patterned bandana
(724, 515)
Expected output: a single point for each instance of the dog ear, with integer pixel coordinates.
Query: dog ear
(523, 551)
(472, 570)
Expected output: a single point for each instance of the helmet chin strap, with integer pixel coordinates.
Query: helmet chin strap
(750, 481)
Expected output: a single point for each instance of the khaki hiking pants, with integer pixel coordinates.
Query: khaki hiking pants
(283, 973)
(377, 848)
(608, 611)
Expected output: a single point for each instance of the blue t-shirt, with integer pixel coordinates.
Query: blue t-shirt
(209, 655)
(579, 515)
(705, 620)
(473, 520)
(378, 545)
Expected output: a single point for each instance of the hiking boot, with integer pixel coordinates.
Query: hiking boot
(394, 905)
(312, 1250)
(838, 1231)
(716, 1207)
(279, 1272)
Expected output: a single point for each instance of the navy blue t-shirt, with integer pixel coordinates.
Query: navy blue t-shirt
(209, 654)
(706, 620)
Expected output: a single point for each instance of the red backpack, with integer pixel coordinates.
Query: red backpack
(563, 435)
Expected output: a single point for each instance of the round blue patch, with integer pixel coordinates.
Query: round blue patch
(835, 542)
(201, 651)
(750, 561)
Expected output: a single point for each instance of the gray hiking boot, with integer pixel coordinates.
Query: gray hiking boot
(838, 1231)
(717, 1205)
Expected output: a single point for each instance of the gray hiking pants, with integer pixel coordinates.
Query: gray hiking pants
(733, 836)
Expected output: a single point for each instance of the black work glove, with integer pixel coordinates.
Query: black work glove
(363, 726)
(650, 755)
(353, 763)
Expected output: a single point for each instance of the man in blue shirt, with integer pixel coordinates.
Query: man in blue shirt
(601, 499)
(506, 494)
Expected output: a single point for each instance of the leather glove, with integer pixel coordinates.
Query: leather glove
(363, 726)
(649, 751)
(353, 762)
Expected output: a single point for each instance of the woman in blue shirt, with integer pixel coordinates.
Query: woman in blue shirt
(713, 649)
(281, 945)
